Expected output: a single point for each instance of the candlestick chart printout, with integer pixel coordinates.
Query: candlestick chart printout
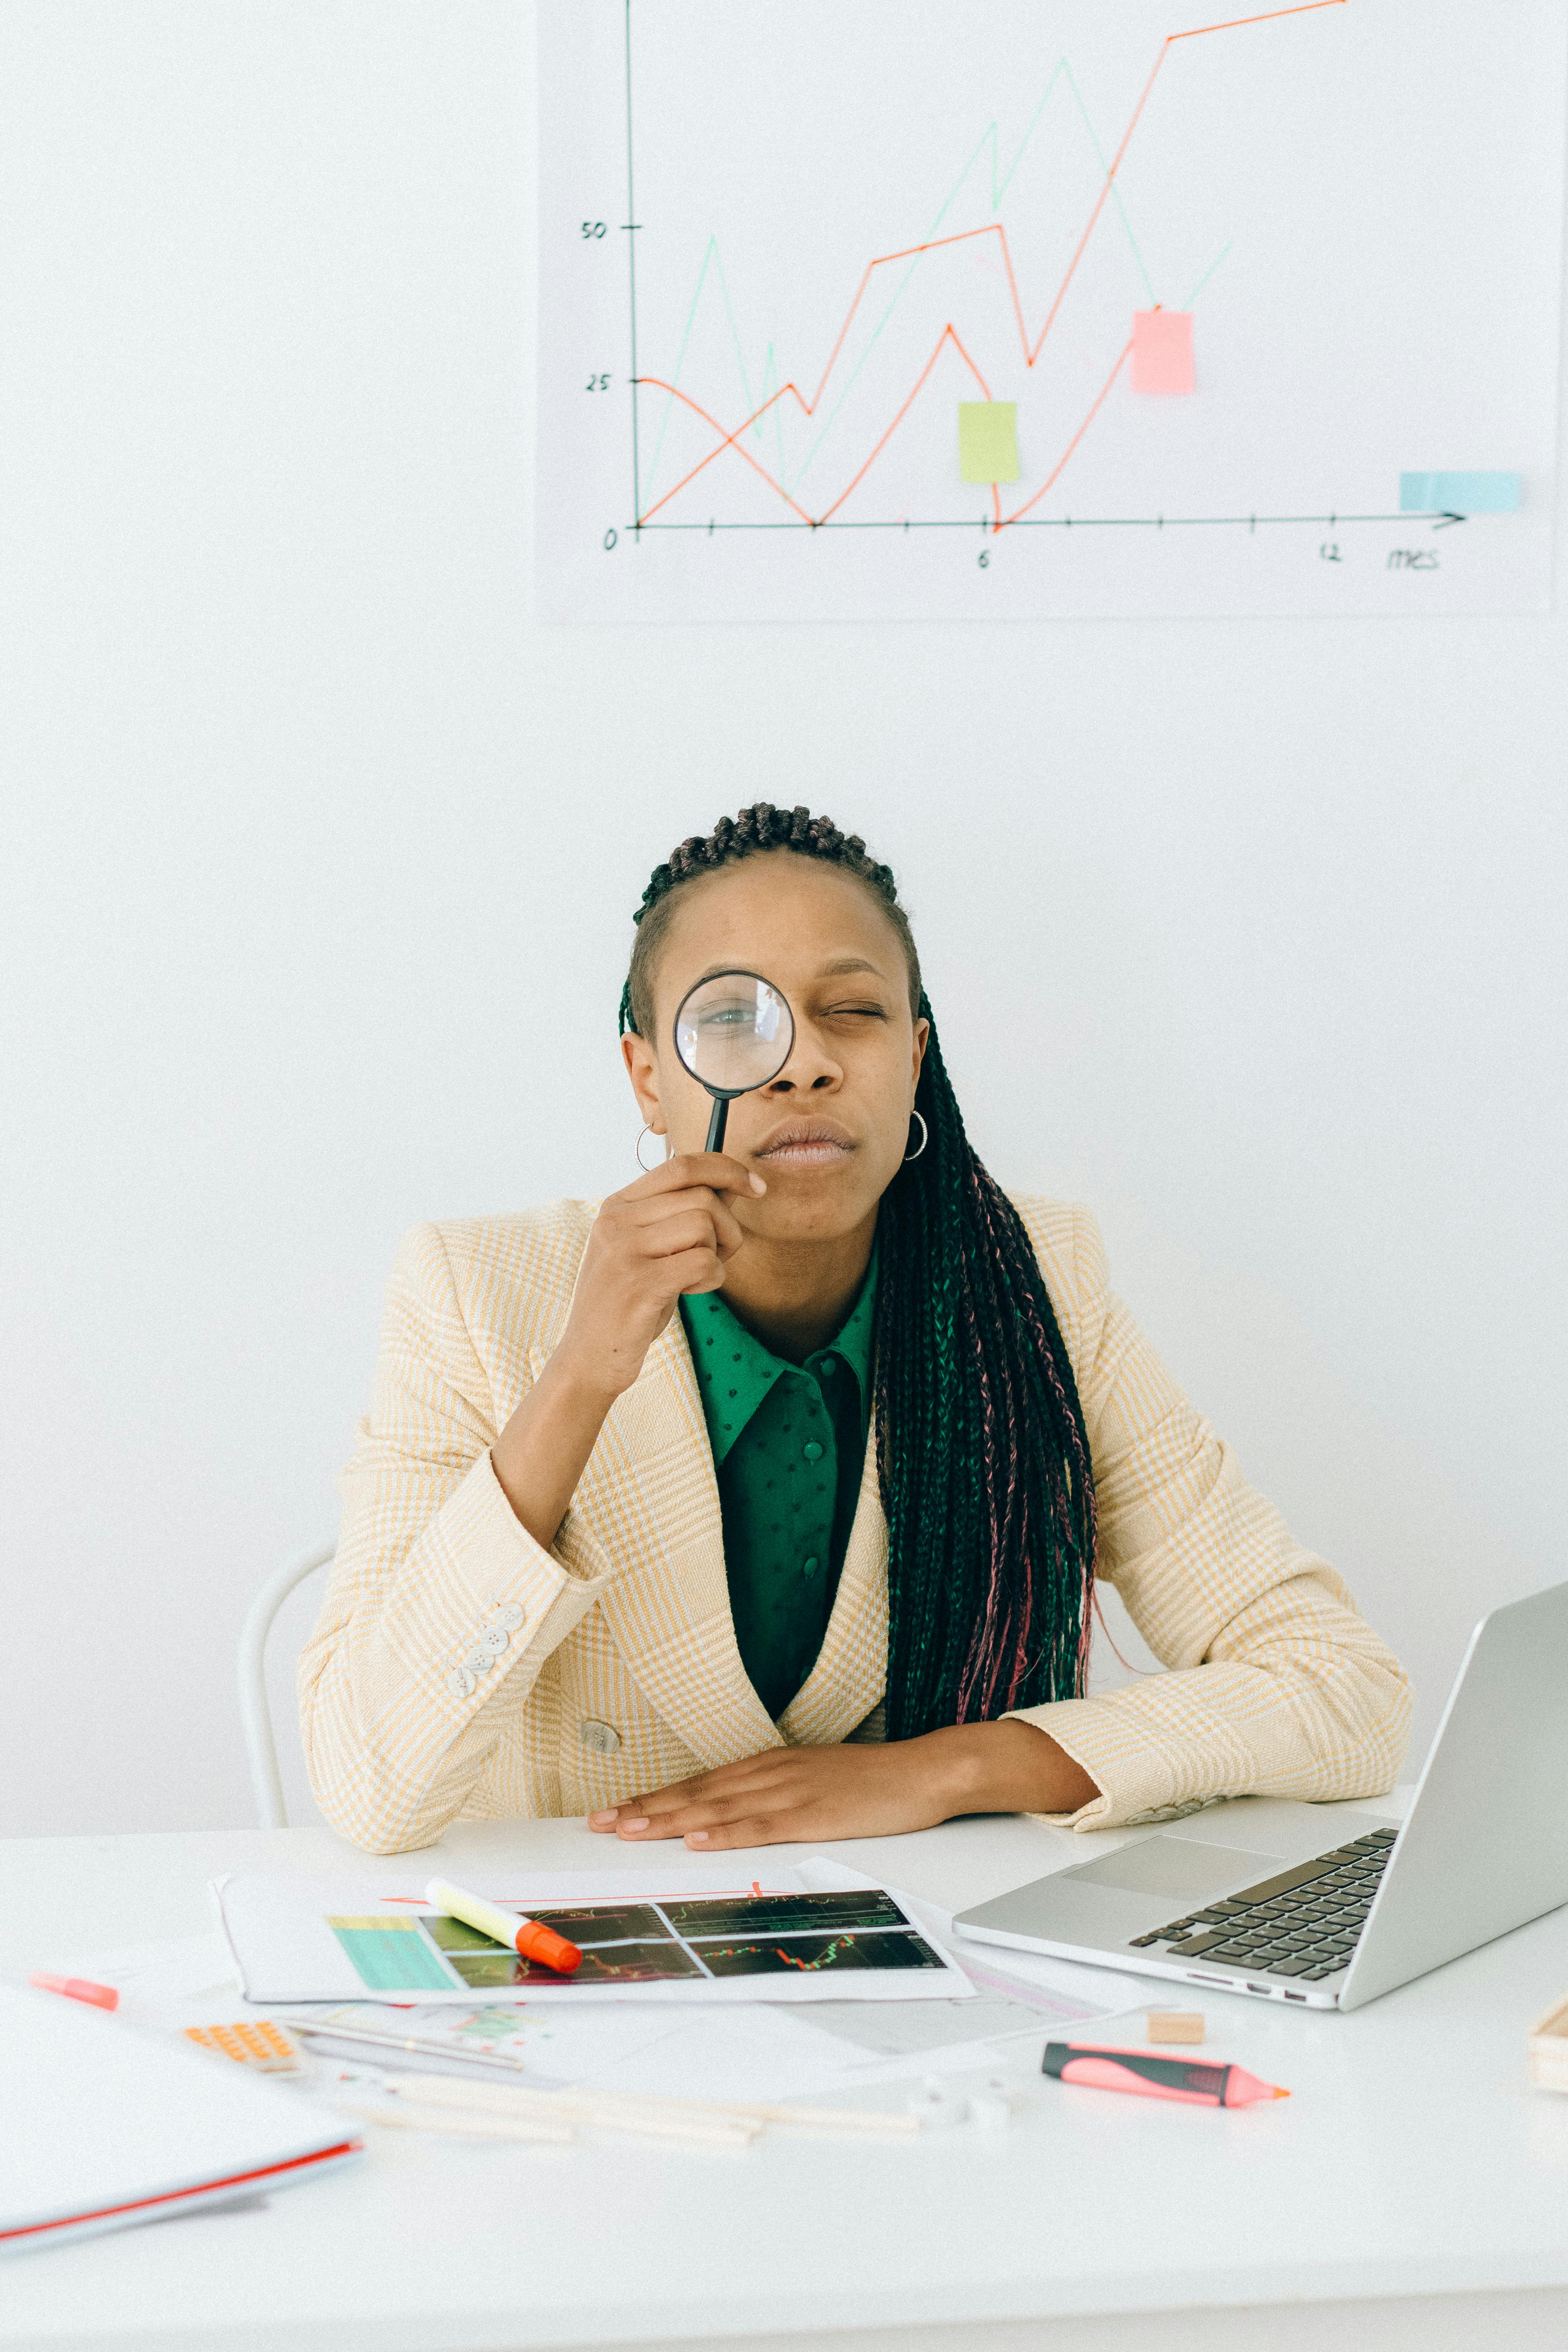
(1017, 307)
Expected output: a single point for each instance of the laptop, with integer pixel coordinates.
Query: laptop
(1264, 1896)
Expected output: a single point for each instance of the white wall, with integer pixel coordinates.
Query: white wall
(317, 861)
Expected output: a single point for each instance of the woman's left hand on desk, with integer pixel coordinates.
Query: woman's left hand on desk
(807, 1795)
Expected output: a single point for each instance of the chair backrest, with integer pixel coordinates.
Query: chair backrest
(255, 1710)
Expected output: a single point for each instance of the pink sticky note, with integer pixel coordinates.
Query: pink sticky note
(1163, 352)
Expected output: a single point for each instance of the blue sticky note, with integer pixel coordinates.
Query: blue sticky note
(1464, 494)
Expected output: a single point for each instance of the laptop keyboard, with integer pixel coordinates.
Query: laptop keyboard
(1302, 1922)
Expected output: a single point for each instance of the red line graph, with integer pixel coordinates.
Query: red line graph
(1031, 353)
(825, 1959)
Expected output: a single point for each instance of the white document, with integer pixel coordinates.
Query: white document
(840, 2050)
(834, 2050)
(800, 1935)
(754, 2051)
(1247, 291)
(104, 2126)
(750, 2051)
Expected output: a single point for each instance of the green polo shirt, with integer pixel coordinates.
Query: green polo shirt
(789, 1446)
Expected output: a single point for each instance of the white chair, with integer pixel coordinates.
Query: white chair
(254, 1711)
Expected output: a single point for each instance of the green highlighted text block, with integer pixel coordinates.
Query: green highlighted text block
(392, 1955)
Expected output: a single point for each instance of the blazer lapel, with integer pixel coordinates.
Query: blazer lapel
(647, 1513)
(647, 1504)
(851, 1671)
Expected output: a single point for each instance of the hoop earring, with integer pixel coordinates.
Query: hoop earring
(925, 1139)
(642, 1164)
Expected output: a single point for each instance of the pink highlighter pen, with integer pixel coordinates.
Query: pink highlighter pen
(75, 1989)
(1155, 2078)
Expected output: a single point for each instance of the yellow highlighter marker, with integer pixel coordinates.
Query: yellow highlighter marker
(527, 1936)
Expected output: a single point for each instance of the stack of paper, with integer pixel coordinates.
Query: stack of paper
(867, 2032)
(801, 1935)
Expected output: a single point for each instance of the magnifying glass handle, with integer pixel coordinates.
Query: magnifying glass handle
(718, 1123)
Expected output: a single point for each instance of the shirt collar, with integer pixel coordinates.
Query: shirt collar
(852, 1344)
(735, 1370)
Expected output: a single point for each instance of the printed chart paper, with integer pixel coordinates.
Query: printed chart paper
(1223, 278)
(833, 2049)
(800, 1937)
(755, 2050)
(836, 2049)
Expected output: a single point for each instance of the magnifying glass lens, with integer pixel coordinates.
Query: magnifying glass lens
(733, 1033)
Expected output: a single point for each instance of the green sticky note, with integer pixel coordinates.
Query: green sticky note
(988, 440)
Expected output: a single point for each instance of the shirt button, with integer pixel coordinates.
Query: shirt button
(599, 1739)
(812, 1451)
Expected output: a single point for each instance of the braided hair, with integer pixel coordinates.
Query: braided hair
(982, 1454)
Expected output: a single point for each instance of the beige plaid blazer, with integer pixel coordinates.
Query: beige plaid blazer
(458, 1671)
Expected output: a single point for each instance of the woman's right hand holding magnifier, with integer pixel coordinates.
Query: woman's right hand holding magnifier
(668, 1234)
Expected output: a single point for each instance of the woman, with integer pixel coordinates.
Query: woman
(764, 1499)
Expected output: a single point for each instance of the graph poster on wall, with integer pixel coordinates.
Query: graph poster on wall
(881, 309)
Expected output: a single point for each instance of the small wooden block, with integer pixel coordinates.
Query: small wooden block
(1176, 2025)
(1548, 2049)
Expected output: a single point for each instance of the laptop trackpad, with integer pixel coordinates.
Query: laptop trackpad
(1168, 1866)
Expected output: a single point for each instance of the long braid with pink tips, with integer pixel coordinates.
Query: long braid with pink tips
(982, 1454)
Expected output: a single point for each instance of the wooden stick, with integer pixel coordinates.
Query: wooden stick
(868, 2123)
(657, 2111)
(405, 2116)
(871, 2119)
(655, 2118)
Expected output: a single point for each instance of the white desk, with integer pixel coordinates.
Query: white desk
(1413, 2192)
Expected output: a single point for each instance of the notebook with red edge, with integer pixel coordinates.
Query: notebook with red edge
(106, 2127)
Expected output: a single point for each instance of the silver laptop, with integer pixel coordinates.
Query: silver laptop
(1245, 1893)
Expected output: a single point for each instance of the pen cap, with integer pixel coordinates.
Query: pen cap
(535, 1941)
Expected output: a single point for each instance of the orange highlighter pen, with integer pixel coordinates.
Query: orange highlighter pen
(529, 1937)
(1155, 2078)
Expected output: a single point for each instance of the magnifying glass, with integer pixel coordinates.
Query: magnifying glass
(734, 1033)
